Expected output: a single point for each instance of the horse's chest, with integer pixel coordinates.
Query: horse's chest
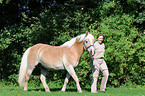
(53, 65)
(76, 64)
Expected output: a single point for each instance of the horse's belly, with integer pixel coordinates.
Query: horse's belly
(53, 66)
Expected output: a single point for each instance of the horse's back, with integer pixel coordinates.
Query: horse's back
(49, 56)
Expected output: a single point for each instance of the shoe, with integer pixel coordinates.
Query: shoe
(102, 90)
(93, 91)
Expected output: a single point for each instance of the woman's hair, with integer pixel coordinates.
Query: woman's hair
(99, 35)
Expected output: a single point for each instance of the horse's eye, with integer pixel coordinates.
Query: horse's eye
(86, 41)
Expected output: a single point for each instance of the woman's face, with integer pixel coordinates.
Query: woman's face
(100, 39)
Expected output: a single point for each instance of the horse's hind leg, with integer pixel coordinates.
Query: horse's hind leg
(30, 67)
(28, 73)
(65, 82)
(43, 79)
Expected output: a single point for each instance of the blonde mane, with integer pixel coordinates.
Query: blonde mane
(73, 40)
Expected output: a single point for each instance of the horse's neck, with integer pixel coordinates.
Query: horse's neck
(77, 48)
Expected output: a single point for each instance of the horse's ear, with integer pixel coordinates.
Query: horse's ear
(86, 33)
(93, 34)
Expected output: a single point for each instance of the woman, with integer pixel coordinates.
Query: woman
(98, 63)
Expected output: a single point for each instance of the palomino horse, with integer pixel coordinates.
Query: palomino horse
(61, 57)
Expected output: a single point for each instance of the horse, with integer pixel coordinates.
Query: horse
(63, 57)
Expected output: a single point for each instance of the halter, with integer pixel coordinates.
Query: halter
(87, 47)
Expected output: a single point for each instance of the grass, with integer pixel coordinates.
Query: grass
(11, 90)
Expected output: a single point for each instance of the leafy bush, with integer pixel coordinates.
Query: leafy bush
(122, 49)
(58, 23)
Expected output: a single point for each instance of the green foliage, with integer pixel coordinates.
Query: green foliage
(13, 40)
(123, 46)
(83, 70)
(55, 22)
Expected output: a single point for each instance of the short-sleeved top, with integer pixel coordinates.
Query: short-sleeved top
(99, 50)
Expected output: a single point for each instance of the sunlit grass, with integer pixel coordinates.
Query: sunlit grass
(11, 90)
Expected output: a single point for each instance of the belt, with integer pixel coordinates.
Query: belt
(101, 58)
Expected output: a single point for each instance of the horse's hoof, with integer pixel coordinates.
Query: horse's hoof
(80, 91)
(47, 90)
(63, 90)
(25, 89)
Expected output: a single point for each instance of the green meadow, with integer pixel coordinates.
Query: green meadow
(12, 90)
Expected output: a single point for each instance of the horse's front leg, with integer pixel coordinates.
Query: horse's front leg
(65, 82)
(71, 71)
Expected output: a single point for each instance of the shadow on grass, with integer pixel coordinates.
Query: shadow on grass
(58, 89)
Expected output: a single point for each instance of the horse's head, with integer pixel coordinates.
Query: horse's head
(89, 43)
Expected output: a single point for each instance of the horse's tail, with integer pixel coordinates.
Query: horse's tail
(23, 68)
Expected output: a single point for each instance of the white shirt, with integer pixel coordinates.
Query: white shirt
(99, 50)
